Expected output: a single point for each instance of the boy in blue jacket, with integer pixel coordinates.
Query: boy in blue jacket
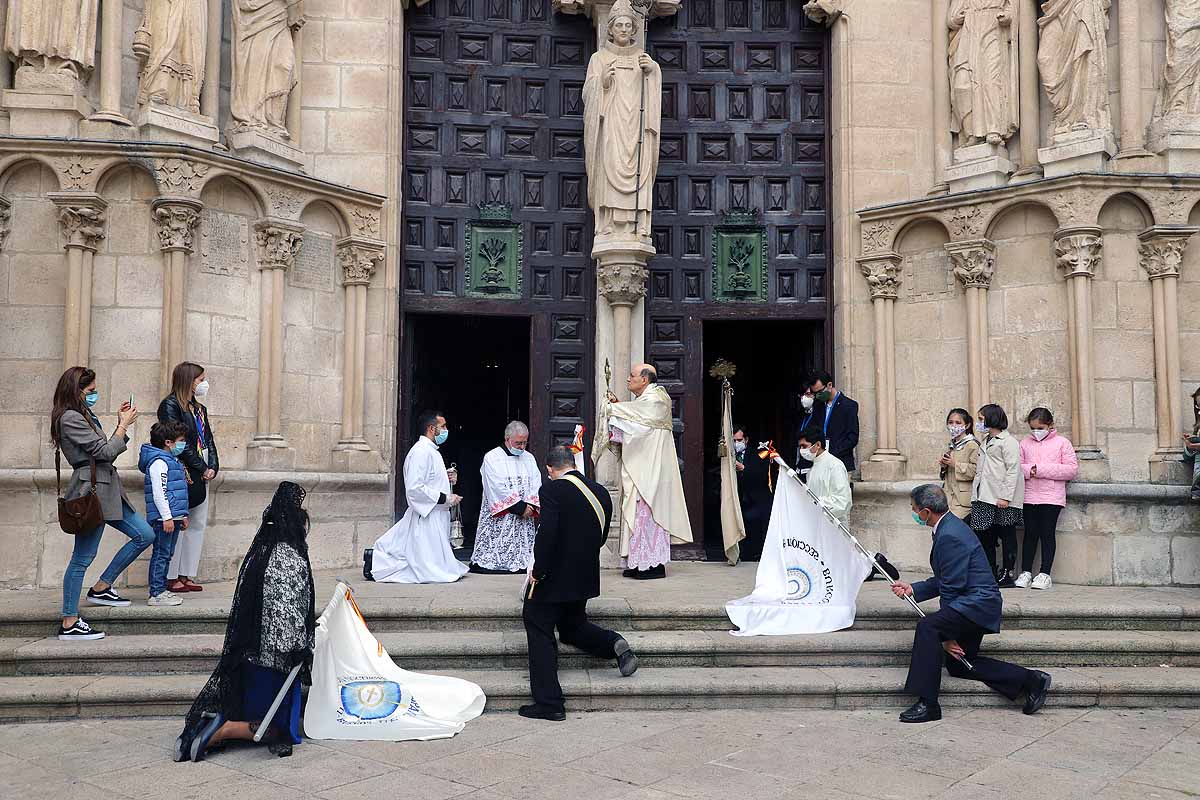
(166, 503)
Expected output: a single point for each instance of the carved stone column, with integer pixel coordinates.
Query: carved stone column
(974, 263)
(942, 144)
(177, 218)
(1129, 45)
(882, 271)
(1160, 254)
(1031, 126)
(112, 27)
(210, 93)
(81, 218)
(278, 242)
(1077, 253)
(358, 258)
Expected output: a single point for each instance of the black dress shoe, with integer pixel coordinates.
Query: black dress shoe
(629, 573)
(534, 711)
(627, 662)
(1006, 579)
(211, 722)
(888, 567)
(1035, 697)
(368, 558)
(650, 574)
(922, 712)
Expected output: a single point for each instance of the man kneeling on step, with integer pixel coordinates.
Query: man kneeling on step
(971, 608)
(564, 576)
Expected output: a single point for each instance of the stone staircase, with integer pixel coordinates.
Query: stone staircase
(1128, 647)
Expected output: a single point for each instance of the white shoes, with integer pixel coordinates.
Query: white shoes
(167, 598)
(1023, 580)
(1042, 581)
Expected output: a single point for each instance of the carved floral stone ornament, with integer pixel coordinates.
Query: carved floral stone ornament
(877, 236)
(358, 259)
(76, 172)
(366, 221)
(177, 220)
(966, 221)
(1077, 250)
(284, 203)
(882, 273)
(1160, 250)
(5, 217)
(179, 175)
(278, 243)
(81, 218)
(974, 262)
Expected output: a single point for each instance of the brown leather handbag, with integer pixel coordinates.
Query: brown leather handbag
(83, 514)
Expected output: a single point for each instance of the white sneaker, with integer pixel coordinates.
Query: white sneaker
(1023, 580)
(167, 598)
(1042, 581)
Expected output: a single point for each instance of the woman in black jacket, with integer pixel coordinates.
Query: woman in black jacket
(199, 458)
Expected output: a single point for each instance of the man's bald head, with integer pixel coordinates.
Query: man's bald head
(640, 378)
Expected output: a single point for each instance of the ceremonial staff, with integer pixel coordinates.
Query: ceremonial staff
(642, 7)
(766, 450)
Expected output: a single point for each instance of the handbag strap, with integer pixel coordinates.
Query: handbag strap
(58, 470)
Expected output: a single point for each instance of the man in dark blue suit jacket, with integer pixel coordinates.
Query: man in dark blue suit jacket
(971, 608)
(837, 415)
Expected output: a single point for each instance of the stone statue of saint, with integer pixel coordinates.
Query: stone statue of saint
(1073, 61)
(53, 37)
(1180, 92)
(173, 72)
(622, 97)
(264, 64)
(983, 71)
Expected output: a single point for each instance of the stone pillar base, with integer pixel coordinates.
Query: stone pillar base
(266, 149)
(97, 127)
(1182, 151)
(1166, 466)
(270, 453)
(45, 113)
(1077, 151)
(1093, 465)
(979, 166)
(357, 459)
(167, 124)
(884, 466)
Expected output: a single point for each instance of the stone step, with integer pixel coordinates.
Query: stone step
(90, 696)
(142, 654)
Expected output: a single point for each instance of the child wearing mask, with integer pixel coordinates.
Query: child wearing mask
(166, 488)
(1048, 461)
(959, 463)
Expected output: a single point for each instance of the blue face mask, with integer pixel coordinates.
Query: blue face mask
(91, 398)
(178, 448)
(917, 519)
(441, 437)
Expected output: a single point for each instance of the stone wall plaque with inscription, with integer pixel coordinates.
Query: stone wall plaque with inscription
(224, 243)
(928, 276)
(314, 268)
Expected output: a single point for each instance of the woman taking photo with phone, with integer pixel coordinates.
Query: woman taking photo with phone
(78, 435)
(189, 386)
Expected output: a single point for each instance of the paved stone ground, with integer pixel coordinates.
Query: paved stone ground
(984, 754)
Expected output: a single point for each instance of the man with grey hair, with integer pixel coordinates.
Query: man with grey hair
(508, 515)
(970, 608)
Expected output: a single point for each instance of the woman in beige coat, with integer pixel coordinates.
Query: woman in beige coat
(959, 463)
(999, 492)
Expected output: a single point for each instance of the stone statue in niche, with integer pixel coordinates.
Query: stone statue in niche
(983, 71)
(172, 43)
(622, 97)
(1178, 105)
(1073, 62)
(53, 42)
(264, 64)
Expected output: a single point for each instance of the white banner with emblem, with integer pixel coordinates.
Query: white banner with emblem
(359, 693)
(809, 575)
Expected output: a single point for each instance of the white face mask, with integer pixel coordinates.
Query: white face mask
(956, 431)
(806, 400)
(202, 388)
(807, 454)
(1041, 434)
(739, 447)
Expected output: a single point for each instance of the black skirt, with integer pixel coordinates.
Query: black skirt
(985, 516)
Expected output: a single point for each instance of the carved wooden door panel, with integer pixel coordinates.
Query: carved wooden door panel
(495, 214)
(740, 223)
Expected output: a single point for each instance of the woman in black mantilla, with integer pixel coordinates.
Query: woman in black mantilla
(271, 630)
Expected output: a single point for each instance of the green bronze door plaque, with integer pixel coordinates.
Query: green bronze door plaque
(740, 258)
(494, 245)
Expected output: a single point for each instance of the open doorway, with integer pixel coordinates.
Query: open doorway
(475, 370)
(773, 359)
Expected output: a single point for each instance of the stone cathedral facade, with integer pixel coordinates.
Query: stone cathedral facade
(947, 202)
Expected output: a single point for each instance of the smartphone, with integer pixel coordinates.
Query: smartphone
(131, 400)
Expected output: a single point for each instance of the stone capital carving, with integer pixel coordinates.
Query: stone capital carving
(278, 242)
(621, 282)
(81, 217)
(826, 12)
(5, 217)
(974, 262)
(882, 272)
(177, 218)
(1160, 249)
(1077, 250)
(358, 258)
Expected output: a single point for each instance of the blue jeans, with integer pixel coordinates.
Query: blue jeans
(141, 536)
(160, 556)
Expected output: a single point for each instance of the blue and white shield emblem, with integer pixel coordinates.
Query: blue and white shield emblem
(368, 700)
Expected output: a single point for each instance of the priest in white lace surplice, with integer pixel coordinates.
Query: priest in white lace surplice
(508, 516)
(653, 513)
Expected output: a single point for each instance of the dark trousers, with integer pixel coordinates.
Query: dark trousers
(925, 669)
(1006, 535)
(574, 629)
(1041, 521)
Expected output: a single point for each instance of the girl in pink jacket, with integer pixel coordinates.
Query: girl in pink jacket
(1048, 461)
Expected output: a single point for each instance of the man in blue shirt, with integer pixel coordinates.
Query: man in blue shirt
(971, 608)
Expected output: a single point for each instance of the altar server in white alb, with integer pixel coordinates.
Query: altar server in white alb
(417, 548)
(653, 513)
(509, 514)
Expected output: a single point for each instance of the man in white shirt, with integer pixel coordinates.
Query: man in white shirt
(828, 478)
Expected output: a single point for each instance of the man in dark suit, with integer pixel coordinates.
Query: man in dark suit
(565, 574)
(837, 415)
(754, 493)
(970, 608)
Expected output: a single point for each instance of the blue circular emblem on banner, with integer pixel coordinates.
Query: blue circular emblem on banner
(369, 700)
(799, 584)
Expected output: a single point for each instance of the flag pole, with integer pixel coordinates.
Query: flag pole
(770, 452)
